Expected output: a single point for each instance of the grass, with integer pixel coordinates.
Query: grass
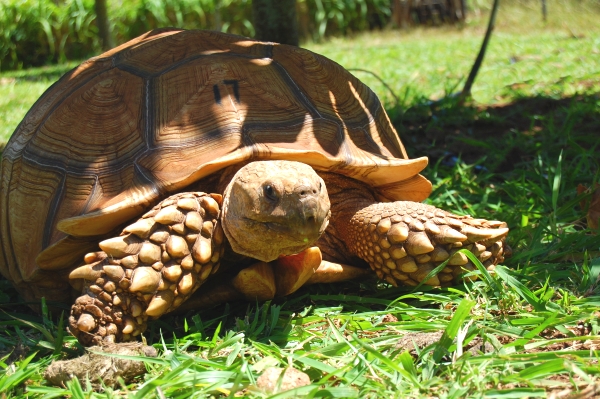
(20, 89)
(426, 65)
(529, 330)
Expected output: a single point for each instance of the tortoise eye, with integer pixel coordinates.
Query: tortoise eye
(270, 193)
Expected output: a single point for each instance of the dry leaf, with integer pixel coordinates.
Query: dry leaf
(593, 213)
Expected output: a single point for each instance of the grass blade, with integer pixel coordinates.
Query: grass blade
(460, 315)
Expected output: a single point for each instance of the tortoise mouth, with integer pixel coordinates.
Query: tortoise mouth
(310, 230)
(270, 241)
(267, 240)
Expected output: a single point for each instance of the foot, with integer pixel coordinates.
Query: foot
(263, 281)
(150, 269)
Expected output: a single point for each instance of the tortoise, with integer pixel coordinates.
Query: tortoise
(186, 156)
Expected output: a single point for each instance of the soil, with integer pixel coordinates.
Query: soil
(292, 378)
(420, 340)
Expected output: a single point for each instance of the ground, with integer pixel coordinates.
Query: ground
(518, 152)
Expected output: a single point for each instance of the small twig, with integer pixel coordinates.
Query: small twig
(544, 11)
(466, 92)
(380, 80)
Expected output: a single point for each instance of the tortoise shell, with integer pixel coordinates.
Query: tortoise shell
(147, 119)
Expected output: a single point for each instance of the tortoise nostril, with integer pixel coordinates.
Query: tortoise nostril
(305, 191)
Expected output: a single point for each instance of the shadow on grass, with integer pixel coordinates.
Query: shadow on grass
(507, 135)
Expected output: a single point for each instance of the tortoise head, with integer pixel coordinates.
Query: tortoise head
(274, 208)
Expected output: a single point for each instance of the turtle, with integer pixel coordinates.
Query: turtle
(186, 156)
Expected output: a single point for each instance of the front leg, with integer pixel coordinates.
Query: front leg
(403, 241)
(150, 269)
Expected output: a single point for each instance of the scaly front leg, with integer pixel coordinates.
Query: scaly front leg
(150, 269)
(404, 241)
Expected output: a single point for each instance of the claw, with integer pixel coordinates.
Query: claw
(475, 234)
(129, 325)
(449, 236)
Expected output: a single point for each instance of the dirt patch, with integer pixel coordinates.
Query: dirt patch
(18, 352)
(419, 340)
(269, 381)
(389, 318)
(100, 368)
(589, 392)
(413, 341)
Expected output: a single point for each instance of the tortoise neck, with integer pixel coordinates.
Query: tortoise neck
(347, 196)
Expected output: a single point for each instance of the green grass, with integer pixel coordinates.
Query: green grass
(436, 65)
(19, 90)
(529, 330)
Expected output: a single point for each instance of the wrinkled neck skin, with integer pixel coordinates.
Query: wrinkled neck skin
(347, 197)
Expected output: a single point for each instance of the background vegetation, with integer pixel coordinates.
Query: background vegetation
(518, 153)
(35, 32)
(38, 32)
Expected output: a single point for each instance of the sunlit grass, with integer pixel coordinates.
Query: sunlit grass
(433, 66)
(19, 90)
(530, 329)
